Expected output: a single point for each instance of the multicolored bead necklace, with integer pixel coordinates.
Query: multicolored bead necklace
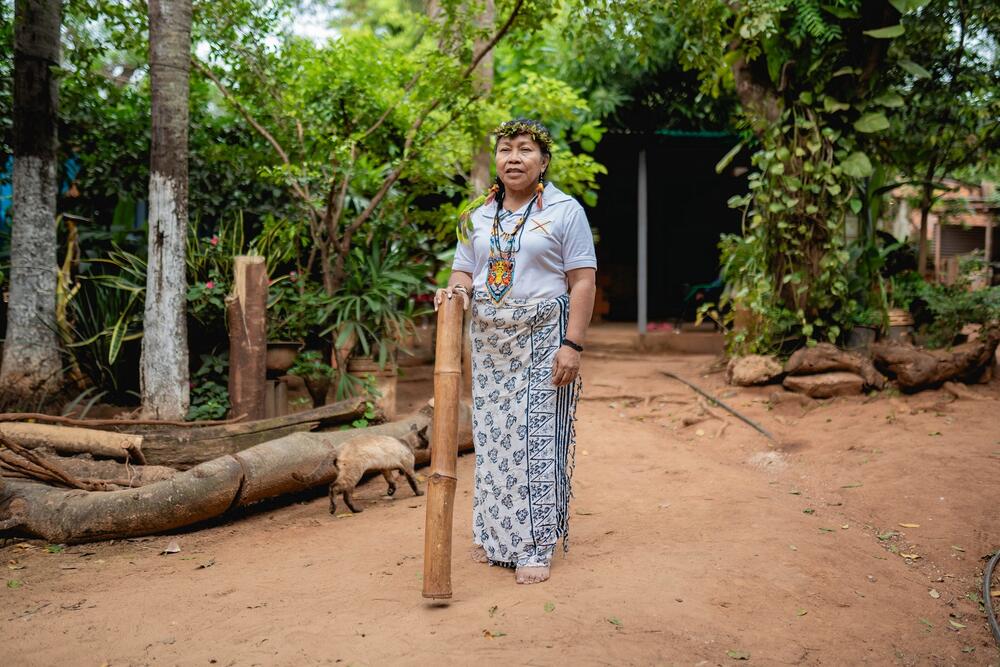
(500, 267)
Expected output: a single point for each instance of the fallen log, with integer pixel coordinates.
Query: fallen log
(114, 472)
(73, 440)
(203, 492)
(916, 368)
(825, 357)
(184, 448)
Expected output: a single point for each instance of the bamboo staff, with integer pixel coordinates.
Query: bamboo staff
(444, 450)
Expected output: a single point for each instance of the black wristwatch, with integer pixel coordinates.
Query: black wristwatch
(570, 344)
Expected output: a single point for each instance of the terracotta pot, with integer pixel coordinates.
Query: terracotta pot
(385, 381)
(281, 354)
(900, 325)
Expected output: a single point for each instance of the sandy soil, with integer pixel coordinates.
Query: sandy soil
(689, 546)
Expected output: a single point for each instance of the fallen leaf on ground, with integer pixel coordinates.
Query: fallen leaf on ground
(808, 510)
(614, 620)
(910, 556)
(826, 530)
(203, 566)
(801, 612)
(739, 655)
(927, 623)
(55, 548)
(582, 513)
(887, 535)
(845, 526)
(934, 433)
(14, 583)
(933, 593)
(958, 548)
(345, 515)
(852, 486)
(493, 610)
(550, 606)
(795, 493)
(910, 525)
(171, 548)
(491, 635)
(956, 624)
(968, 649)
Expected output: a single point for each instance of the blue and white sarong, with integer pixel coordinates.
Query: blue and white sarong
(523, 429)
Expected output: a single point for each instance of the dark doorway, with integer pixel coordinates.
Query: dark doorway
(687, 214)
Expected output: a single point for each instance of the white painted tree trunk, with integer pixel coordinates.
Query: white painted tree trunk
(31, 362)
(164, 365)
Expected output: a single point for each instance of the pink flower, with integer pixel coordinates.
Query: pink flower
(215, 240)
(209, 285)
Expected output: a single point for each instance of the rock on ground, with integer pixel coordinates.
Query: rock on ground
(752, 369)
(825, 385)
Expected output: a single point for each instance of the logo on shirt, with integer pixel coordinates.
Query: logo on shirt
(540, 226)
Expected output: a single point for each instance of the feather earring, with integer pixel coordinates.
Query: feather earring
(539, 189)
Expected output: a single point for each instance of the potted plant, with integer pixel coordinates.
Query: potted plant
(295, 310)
(316, 373)
(372, 314)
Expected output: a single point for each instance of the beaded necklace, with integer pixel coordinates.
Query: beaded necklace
(500, 267)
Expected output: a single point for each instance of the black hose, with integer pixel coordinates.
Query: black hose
(991, 616)
(722, 405)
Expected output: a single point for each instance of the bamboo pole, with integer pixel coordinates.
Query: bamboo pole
(444, 451)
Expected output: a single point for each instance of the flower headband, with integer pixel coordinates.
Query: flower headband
(538, 132)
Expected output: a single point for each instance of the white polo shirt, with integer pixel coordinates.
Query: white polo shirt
(554, 240)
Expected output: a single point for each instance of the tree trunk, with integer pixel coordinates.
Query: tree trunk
(164, 366)
(31, 362)
(925, 208)
(246, 309)
(825, 358)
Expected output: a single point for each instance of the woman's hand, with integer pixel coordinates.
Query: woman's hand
(566, 366)
(448, 293)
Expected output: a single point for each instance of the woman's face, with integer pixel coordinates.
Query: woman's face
(520, 162)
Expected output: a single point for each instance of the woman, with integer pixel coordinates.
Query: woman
(529, 265)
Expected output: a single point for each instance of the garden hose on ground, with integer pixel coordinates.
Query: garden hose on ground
(991, 616)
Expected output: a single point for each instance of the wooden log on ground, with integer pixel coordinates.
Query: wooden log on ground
(73, 440)
(184, 448)
(916, 368)
(203, 492)
(443, 479)
(246, 311)
(825, 358)
(113, 471)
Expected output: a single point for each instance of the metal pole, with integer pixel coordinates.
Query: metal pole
(642, 264)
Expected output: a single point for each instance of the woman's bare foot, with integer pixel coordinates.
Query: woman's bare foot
(531, 574)
(478, 554)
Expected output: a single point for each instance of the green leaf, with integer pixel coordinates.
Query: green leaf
(728, 157)
(615, 621)
(872, 122)
(888, 32)
(855, 205)
(55, 548)
(831, 105)
(857, 165)
(738, 655)
(550, 607)
(914, 69)
(891, 100)
(14, 583)
(907, 6)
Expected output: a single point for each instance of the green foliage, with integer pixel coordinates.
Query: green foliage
(297, 308)
(210, 388)
(310, 364)
(375, 310)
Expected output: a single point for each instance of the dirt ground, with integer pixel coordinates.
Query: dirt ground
(858, 540)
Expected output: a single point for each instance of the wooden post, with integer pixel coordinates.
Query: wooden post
(444, 451)
(246, 309)
(642, 252)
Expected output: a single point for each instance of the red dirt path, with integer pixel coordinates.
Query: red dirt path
(686, 545)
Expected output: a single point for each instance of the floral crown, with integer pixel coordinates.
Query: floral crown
(538, 132)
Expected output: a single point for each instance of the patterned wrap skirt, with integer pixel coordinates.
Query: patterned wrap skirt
(523, 429)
